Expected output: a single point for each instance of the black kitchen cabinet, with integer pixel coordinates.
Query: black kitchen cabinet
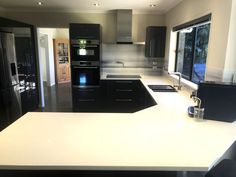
(85, 31)
(122, 96)
(88, 99)
(155, 41)
(29, 100)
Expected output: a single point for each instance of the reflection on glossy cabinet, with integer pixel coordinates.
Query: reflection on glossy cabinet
(62, 60)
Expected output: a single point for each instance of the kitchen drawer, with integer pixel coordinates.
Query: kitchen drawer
(86, 92)
(88, 99)
(123, 105)
(121, 93)
(124, 84)
(123, 88)
(87, 105)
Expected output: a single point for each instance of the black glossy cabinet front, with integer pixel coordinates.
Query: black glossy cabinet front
(27, 73)
(123, 95)
(87, 99)
(112, 96)
(84, 31)
(155, 41)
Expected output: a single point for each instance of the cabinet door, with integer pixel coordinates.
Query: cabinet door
(155, 41)
(84, 31)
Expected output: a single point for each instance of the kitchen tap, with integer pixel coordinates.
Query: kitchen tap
(196, 99)
(180, 76)
(121, 62)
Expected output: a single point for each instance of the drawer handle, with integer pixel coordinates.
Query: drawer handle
(86, 90)
(84, 67)
(124, 90)
(124, 82)
(124, 100)
(86, 100)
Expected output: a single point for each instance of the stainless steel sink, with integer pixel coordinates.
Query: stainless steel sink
(162, 88)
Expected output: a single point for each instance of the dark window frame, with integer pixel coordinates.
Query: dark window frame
(193, 23)
(197, 21)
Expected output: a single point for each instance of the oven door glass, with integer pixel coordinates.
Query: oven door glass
(85, 76)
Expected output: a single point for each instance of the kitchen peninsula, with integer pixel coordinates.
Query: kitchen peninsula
(158, 138)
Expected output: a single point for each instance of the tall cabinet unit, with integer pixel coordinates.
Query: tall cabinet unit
(155, 41)
(62, 60)
(85, 48)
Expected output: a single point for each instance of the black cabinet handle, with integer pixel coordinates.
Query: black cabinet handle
(124, 90)
(124, 82)
(124, 100)
(86, 100)
(84, 67)
(86, 90)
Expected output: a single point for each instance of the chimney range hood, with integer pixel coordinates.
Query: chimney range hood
(124, 27)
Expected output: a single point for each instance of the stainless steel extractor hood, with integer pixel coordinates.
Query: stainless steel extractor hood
(124, 27)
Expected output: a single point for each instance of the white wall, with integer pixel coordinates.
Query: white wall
(42, 51)
(230, 61)
(49, 52)
(189, 10)
(62, 33)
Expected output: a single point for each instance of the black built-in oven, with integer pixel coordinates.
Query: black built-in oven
(85, 54)
(85, 74)
(85, 50)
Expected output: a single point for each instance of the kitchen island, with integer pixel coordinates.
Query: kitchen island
(160, 138)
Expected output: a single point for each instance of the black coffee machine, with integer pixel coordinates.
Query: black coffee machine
(219, 100)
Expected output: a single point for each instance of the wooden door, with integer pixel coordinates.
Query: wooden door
(62, 60)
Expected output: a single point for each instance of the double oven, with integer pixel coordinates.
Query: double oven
(85, 62)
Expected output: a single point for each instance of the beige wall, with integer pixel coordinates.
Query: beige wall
(230, 61)
(141, 21)
(62, 33)
(221, 12)
(107, 21)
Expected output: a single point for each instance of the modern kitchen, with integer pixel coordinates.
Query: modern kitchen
(118, 88)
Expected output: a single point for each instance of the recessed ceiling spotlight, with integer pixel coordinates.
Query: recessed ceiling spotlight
(96, 4)
(152, 5)
(40, 3)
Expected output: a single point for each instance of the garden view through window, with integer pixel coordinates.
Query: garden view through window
(192, 49)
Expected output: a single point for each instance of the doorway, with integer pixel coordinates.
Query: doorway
(54, 64)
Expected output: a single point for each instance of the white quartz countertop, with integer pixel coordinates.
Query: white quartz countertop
(161, 137)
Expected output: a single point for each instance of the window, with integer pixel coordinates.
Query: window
(191, 51)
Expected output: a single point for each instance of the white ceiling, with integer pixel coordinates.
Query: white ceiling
(87, 5)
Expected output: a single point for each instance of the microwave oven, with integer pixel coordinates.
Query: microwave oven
(85, 50)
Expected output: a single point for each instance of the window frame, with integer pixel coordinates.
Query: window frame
(192, 24)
